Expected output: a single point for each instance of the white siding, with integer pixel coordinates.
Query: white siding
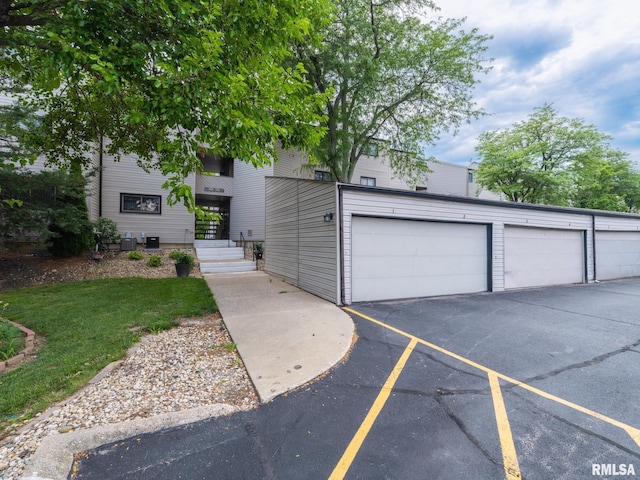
(300, 246)
(174, 225)
(453, 179)
(291, 163)
(408, 205)
(449, 179)
(247, 205)
(377, 167)
(93, 188)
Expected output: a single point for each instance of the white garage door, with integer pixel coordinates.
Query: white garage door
(617, 255)
(535, 257)
(405, 258)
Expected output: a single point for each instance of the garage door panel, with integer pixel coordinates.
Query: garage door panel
(617, 255)
(537, 257)
(404, 258)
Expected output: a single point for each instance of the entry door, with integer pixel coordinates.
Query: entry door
(405, 258)
(537, 256)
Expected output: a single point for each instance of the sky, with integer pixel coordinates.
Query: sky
(580, 56)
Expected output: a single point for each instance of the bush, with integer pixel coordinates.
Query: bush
(135, 255)
(106, 231)
(154, 261)
(180, 256)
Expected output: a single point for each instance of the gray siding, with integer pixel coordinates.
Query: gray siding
(300, 246)
(391, 204)
(377, 167)
(247, 204)
(174, 225)
(290, 164)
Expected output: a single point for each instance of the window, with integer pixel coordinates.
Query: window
(322, 176)
(369, 181)
(140, 203)
(370, 149)
(470, 176)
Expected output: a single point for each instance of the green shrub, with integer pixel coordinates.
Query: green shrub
(135, 255)
(180, 256)
(106, 231)
(70, 230)
(154, 261)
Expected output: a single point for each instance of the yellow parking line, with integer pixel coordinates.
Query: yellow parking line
(356, 442)
(509, 456)
(633, 432)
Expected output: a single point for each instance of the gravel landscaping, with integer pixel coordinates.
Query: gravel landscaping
(192, 365)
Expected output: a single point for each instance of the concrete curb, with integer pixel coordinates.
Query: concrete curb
(53, 460)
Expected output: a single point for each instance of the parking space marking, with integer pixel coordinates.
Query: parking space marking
(633, 432)
(509, 456)
(356, 442)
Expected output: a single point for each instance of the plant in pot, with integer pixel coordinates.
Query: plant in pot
(184, 262)
(258, 250)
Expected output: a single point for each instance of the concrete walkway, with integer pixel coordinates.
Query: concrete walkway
(285, 336)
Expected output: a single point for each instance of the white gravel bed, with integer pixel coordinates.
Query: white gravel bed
(189, 366)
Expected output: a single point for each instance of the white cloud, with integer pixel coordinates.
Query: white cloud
(582, 56)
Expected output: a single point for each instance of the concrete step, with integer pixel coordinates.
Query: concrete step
(233, 253)
(213, 243)
(227, 266)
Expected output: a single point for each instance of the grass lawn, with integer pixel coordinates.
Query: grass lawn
(11, 340)
(85, 326)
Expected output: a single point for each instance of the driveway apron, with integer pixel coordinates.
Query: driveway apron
(533, 384)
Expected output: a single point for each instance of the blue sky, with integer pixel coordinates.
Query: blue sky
(581, 56)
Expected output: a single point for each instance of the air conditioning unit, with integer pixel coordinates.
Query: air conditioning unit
(127, 244)
(153, 242)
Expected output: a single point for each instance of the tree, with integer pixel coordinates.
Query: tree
(164, 78)
(536, 161)
(15, 123)
(606, 182)
(394, 75)
(52, 209)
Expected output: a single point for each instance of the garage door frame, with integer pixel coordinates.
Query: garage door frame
(583, 254)
(598, 250)
(488, 229)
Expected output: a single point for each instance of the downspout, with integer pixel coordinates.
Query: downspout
(593, 246)
(340, 244)
(100, 159)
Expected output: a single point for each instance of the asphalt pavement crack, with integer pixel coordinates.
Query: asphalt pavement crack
(267, 469)
(588, 363)
(578, 427)
(460, 424)
(582, 314)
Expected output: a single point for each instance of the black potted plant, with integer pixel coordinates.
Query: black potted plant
(184, 262)
(258, 250)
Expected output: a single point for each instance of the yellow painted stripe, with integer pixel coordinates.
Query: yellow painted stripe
(509, 456)
(356, 442)
(633, 432)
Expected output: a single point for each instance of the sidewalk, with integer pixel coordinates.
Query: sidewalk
(285, 336)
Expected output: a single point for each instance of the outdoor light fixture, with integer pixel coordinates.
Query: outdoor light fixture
(328, 216)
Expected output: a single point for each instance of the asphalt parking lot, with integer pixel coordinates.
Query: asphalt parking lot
(536, 384)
